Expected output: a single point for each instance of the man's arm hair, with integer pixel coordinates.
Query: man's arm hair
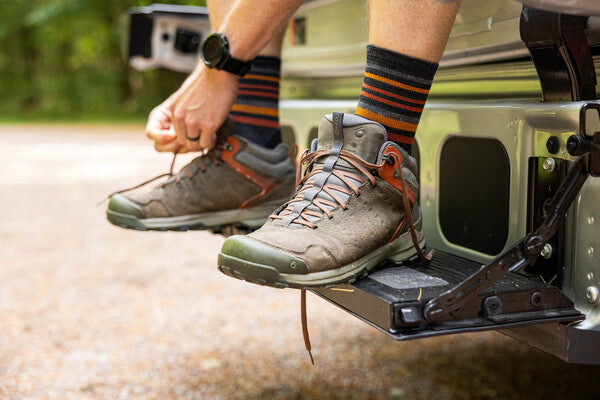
(251, 24)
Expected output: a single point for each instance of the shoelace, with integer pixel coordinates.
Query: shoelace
(322, 204)
(364, 167)
(198, 162)
(408, 202)
(169, 174)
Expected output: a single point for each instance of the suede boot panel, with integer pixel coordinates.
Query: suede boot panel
(369, 222)
(218, 188)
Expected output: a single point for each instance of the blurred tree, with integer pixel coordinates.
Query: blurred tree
(62, 59)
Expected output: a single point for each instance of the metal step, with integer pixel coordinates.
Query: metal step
(385, 299)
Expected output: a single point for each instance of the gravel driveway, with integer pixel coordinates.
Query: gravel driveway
(91, 311)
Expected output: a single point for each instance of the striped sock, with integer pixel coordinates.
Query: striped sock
(256, 109)
(394, 91)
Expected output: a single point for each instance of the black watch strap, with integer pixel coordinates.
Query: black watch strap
(235, 66)
(215, 54)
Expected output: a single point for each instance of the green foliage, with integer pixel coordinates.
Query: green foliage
(62, 59)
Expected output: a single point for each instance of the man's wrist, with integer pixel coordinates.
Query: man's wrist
(216, 54)
(221, 74)
(237, 47)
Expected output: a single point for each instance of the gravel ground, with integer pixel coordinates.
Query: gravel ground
(91, 311)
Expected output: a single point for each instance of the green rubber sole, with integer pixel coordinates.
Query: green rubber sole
(131, 222)
(399, 250)
(243, 219)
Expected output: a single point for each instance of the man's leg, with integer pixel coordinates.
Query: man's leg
(256, 109)
(357, 203)
(406, 41)
(206, 194)
(418, 29)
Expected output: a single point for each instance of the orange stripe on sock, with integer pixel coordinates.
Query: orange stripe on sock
(261, 77)
(255, 121)
(271, 112)
(261, 87)
(258, 94)
(397, 84)
(385, 120)
(394, 95)
(390, 103)
(394, 137)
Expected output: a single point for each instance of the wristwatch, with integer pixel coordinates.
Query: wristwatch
(215, 54)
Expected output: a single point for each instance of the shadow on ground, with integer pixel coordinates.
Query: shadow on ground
(471, 366)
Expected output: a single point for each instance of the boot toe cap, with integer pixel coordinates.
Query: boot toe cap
(122, 205)
(249, 254)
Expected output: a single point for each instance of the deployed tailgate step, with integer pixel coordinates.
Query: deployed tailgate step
(389, 299)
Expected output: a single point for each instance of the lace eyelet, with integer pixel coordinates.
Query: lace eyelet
(228, 146)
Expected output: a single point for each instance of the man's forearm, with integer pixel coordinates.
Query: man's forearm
(202, 103)
(251, 24)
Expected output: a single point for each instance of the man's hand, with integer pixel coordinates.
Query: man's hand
(199, 108)
(202, 103)
(160, 129)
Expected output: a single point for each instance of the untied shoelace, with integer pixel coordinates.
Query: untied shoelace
(392, 158)
(198, 162)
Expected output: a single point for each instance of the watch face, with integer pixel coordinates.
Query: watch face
(212, 49)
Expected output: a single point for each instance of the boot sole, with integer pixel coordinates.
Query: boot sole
(244, 219)
(401, 249)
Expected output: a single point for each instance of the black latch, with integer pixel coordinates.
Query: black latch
(187, 41)
(584, 143)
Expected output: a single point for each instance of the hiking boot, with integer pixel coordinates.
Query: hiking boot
(237, 183)
(354, 208)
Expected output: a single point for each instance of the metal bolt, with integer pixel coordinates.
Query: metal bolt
(547, 251)
(293, 264)
(553, 145)
(359, 133)
(590, 250)
(537, 299)
(549, 164)
(591, 220)
(592, 294)
(492, 306)
(546, 207)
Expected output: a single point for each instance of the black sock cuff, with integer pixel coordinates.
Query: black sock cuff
(378, 56)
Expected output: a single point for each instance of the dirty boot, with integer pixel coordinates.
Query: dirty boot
(354, 208)
(237, 183)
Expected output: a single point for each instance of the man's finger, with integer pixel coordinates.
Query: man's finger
(179, 127)
(172, 147)
(194, 145)
(161, 136)
(208, 141)
(193, 133)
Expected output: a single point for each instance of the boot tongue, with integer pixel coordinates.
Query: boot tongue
(361, 136)
(337, 132)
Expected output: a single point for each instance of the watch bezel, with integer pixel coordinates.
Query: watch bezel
(224, 49)
(223, 61)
